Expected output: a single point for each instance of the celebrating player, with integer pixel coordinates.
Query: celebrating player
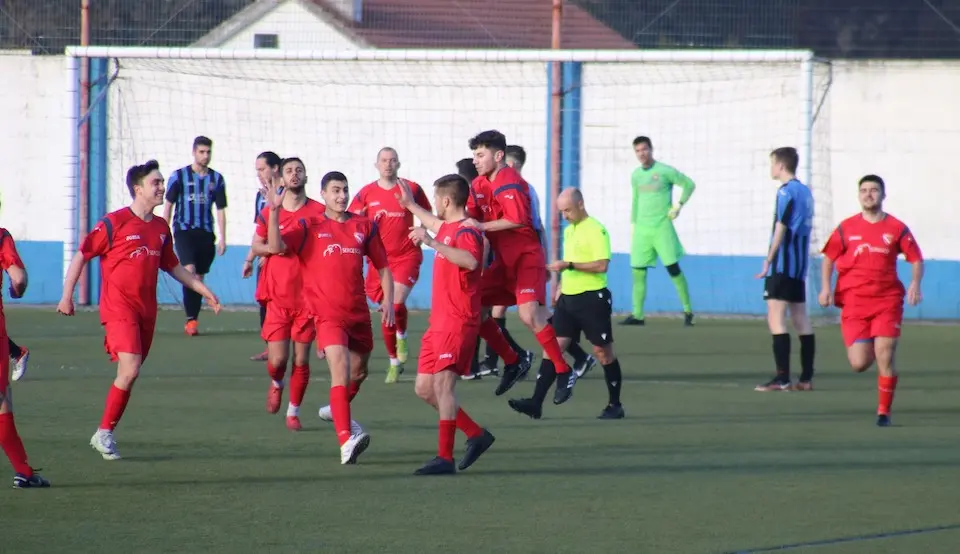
(331, 248)
(785, 272)
(510, 227)
(24, 477)
(378, 201)
(194, 190)
(583, 305)
(864, 248)
(19, 355)
(280, 289)
(268, 167)
(466, 170)
(651, 222)
(133, 246)
(445, 354)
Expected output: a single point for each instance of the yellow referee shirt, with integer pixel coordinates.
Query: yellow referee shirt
(584, 242)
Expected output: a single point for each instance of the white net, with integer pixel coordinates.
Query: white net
(333, 115)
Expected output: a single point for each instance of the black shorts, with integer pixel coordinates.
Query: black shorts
(588, 313)
(786, 289)
(196, 247)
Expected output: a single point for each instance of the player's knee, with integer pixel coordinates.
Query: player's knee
(424, 389)
(277, 360)
(861, 357)
(6, 402)
(674, 270)
(604, 354)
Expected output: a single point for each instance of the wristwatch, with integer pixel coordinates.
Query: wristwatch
(569, 265)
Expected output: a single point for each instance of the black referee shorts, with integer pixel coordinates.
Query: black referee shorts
(786, 289)
(588, 313)
(196, 247)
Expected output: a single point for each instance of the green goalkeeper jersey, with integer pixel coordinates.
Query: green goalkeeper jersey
(653, 193)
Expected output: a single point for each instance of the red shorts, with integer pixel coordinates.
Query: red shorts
(357, 336)
(128, 335)
(447, 350)
(4, 361)
(865, 322)
(405, 270)
(282, 324)
(509, 286)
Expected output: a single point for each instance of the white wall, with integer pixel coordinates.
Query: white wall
(716, 123)
(34, 141)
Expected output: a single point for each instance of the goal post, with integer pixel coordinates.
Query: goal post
(713, 114)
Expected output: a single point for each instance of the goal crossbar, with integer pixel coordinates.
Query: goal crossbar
(449, 55)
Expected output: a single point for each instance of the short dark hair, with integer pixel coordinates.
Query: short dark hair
(136, 174)
(642, 140)
(493, 139)
(787, 155)
(271, 158)
(467, 170)
(455, 187)
(202, 141)
(517, 153)
(873, 179)
(332, 176)
(290, 160)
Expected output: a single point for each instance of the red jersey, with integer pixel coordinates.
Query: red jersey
(132, 252)
(478, 203)
(331, 257)
(866, 258)
(508, 197)
(9, 257)
(393, 220)
(280, 281)
(455, 301)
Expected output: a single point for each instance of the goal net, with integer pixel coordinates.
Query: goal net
(713, 116)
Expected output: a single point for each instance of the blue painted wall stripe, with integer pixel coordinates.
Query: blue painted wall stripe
(570, 131)
(97, 161)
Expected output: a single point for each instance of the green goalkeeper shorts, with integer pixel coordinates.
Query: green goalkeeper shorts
(649, 243)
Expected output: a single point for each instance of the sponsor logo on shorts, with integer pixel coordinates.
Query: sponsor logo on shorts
(526, 291)
(446, 356)
(340, 250)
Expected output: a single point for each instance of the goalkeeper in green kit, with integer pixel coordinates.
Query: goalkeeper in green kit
(651, 222)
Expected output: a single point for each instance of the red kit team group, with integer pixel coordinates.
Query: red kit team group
(489, 252)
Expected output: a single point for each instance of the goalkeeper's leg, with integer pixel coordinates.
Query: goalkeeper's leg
(643, 255)
(639, 292)
(670, 251)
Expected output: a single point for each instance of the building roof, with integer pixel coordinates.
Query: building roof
(472, 24)
(445, 24)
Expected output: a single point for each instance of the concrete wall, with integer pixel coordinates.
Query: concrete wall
(714, 122)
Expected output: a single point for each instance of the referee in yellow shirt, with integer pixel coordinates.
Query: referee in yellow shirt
(583, 305)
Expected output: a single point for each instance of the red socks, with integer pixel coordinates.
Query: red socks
(400, 314)
(353, 389)
(547, 338)
(340, 407)
(493, 335)
(13, 446)
(390, 340)
(448, 435)
(276, 373)
(299, 379)
(885, 389)
(467, 425)
(116, 403)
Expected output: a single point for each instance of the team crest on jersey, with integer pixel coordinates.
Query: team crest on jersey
(887, 238)
(359, 237)
(655, 177)
(446, 241)
(211, 186)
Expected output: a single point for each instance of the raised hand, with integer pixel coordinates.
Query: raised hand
(405, 195)
(419, 235)
(274, 192)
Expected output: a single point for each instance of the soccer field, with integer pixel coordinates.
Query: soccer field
(702, 464)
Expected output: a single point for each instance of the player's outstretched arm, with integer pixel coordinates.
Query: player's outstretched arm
(410, 204)
(194, 283)
(457, 256)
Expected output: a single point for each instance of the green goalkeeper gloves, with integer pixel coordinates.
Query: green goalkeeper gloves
(674, 211)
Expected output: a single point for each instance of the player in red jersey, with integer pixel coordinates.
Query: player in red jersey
(267, 166)
(447, 350)
(133, 246)
(516, 244)
(24, 477)
(378, 201)
(280, 288)
(864, 248)
(331, 248)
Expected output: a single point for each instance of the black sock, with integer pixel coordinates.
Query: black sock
(614, 379)
(502, 322)
(191, 303)
(263, 315)
(579, 355)
(808, 350)
(14, 349)
(781, 355)
(546, 375)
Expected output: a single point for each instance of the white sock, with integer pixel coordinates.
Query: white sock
(278, 384)
(293, 411)
(401, 335)
(394, 362)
